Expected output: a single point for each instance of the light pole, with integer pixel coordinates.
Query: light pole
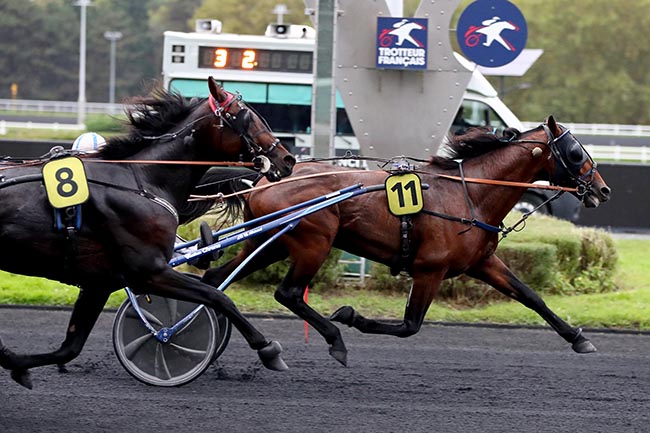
(113, 37)
(81, 104)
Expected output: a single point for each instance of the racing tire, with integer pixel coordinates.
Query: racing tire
(184, 357)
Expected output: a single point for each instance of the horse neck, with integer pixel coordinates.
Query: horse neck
(512, 163)
(174, 182)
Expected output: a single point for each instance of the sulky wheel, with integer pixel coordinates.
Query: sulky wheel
(182, 359)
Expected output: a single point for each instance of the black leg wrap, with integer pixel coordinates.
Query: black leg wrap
(345, 315)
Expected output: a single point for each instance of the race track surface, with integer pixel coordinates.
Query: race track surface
(445, 379)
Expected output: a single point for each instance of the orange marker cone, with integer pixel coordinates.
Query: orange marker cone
(305, 324)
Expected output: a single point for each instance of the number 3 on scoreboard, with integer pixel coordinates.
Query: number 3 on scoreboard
(65, 182)
(404, 193)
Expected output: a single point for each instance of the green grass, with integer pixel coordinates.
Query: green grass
(627, 308)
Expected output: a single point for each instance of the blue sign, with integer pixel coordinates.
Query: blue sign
(492, 33)
(401, 43)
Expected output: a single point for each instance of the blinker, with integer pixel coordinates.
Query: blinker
(241, 121)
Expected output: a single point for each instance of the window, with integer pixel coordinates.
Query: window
(476, 113)
(286, 107)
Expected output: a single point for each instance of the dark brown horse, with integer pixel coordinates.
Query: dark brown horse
(123, 234)
(455, 233)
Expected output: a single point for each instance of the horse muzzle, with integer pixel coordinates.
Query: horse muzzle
(275, 168)
(596, 195)
(272, 170)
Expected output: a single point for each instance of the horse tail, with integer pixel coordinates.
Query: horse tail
(224, 180)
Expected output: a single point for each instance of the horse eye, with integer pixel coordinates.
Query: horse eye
(575, 155)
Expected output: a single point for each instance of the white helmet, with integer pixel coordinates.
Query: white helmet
(88, 142)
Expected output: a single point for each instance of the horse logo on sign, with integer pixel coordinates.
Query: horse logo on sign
(401, 43)
(492, 30)
(492, 33)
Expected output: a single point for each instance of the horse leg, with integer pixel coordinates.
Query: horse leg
(291, 293)
(420, 297)
(172, 284)
(495, 273)
(87, 308)
(217, 275)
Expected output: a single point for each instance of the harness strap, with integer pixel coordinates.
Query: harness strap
(465, 192)
(143, 193)
(404, 261)
(470, 222)
(213, 102)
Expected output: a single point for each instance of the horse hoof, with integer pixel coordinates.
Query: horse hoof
(343, 315)
(22, 377)
(341, 355)
(270, 357)
(583, 346)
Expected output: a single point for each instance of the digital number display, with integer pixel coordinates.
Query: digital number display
(256, 60)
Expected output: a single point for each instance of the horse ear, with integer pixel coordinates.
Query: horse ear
(552, 125)
(216, 90)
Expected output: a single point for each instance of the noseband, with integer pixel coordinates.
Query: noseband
(240, 123)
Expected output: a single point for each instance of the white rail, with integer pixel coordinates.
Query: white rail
(598, 152)
(42, 106)
(601, 129)
(619, 153)
(5, 125)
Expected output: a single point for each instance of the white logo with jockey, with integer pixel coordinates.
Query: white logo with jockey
(401, 43)
(492, 29)
(403, 31)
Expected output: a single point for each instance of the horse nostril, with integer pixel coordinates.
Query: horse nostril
(605, 191)
(290, 160)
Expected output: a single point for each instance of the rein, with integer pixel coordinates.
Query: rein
(261, 187)
(507, 183)
(148, 161)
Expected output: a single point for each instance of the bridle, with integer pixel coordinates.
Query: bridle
(571, 155)
(240, 123)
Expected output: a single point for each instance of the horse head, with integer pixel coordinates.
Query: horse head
(572, 166)
(251, 132)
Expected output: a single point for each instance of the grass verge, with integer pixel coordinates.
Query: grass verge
(627, 308)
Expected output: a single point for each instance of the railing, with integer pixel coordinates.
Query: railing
(601, 129)
(619, 153)
(4, 125)
(599, 152)
(42, 106)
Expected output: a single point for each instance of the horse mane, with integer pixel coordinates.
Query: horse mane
(473, 143)
(224, 180)
(148, 116)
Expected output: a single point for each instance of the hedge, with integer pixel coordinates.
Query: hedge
(552, 256)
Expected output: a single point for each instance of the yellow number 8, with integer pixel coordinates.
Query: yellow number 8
(65, 182)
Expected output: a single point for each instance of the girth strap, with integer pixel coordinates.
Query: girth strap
(404, 262)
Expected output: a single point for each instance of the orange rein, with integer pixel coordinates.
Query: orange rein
(508, 183)
(147, 161)
(444, 176)
(257, 188)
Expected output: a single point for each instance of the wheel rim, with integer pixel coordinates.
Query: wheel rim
(179, 361)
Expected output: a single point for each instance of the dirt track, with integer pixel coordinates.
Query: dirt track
(445, 379)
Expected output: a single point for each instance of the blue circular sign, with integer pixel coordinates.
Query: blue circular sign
(492, 33)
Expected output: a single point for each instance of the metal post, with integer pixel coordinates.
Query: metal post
(81, 107)
(113, 37)
(324, 89)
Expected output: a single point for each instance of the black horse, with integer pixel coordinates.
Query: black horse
(123, 234)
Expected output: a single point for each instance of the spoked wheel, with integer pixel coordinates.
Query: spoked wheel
(180, 360)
